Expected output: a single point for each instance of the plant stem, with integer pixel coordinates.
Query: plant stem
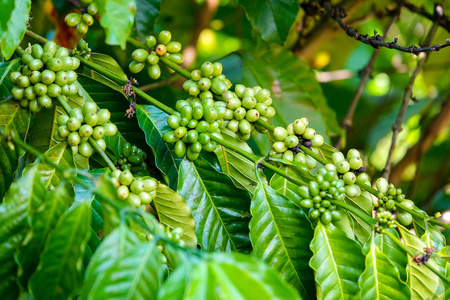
(255, 159)
(397, 127)
(102, 153)
(36, 37)
(412, 253)
(64, 104)
(120, 80)
(355, 211)
(314, 155)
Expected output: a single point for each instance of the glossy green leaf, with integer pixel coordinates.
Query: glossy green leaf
(59, 273)
(295, 90)
(7, 67)
(430, 232)
(286, 187)
(60, 154)
(82, 194)
(173, 212)
(147, 11)
(381, 279)
(12, 117)
(396, 255)
(423, 283)
(14, 17)
(153, 122)
(107, 63)
(111, 212)
(117, 19)
(42, 128)
(272, 19)
(327, 151)
(444, 253)
(338, 262)
(280, 233)
(363, 203)
(240, 169)
(221, 213)
(116, 246)
(136, 275)
(40, 223)
(226, 276)
(25, 194)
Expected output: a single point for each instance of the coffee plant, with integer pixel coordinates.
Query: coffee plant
(212, 175)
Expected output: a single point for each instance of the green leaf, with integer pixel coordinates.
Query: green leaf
(286, 187)
(25, 194)
(153, 122)
(147, 11)
(295, 90)
(240, 169)
(114, 247)
(327, 151)
(173, 212)
(58, 275)
(40, 221)
(272, 19)
(363, 203)
(111, 213)
(221, 214)
(12, 117)
(107, 63)
(6, 68)
(423, 283)
(14, 17)
(60, 154)
(444, 253)
(226, 276)
(337, 262)
(431, 233)
(280, 233)
(136, 275)
(117, 19)
(381, 279)
(82, 194)
(393, 252)
(42, 128)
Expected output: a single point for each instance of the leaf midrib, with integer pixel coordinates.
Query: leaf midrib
(341, 290)
(213, 205)
(282, 242)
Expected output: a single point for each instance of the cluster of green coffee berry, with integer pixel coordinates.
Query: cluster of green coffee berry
(288, 142)
(246, 106)
(192, 125)
(317, 194)
(385, 220)
(81, 124)
(156, 47)
(173, 235)
(135, 190)
(350, 169)
(208, 77)
(131, 158)
(82, 49)
(46, 73)
(387, 199)
(83, 21)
